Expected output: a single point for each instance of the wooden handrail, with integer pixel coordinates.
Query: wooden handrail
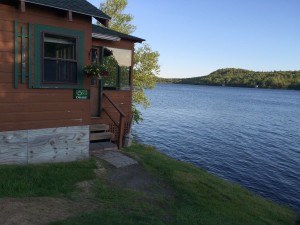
(111, 118)
(120, 125)
(114, 105)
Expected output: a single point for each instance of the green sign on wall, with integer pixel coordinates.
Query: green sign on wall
(81, 94)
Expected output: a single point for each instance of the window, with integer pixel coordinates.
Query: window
(59, 60)
(58, 57)
(118, 62)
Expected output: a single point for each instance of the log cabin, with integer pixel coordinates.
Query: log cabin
(50, 111)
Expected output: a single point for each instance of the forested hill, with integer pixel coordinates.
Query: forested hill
(244, 78)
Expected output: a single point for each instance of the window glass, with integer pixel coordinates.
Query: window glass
(59, 47)
(125, 78)
(60, 65)
(118, 63)
(110, 80)
(122, 56)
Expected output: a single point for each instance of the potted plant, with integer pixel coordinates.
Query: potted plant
(95, 70)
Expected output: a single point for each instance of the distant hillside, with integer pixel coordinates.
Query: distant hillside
(244, 78)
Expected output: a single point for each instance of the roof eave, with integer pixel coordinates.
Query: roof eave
(136, 40)
(105, 37)
(97, 17)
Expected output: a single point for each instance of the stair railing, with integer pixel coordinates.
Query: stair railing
(120, 124)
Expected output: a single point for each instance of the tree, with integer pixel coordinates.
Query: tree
(146, 67)
(119, 20)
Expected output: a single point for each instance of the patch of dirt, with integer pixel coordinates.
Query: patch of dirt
(41, 210)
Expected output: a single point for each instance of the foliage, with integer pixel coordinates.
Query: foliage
(95, 70)
(112, 65)
(145, 69)
(244, 78)
(119, 20)
(146, 61)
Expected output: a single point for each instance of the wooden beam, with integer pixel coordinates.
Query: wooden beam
(105, 23)
(22, 6)
(70, 15)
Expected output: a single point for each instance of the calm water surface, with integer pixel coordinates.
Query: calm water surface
(249, 136)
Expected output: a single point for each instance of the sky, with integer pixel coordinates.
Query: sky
(197, 37)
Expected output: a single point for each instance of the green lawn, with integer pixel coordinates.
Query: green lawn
(44, 180)
(197, 197)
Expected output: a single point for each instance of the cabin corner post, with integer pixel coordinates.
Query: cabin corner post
(121, 131)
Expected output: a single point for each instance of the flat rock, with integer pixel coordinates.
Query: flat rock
(100, 146)
(117, 159)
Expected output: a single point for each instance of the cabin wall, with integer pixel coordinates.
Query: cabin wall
(38, 121)
(32, 108)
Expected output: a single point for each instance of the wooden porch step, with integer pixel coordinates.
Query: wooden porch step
(99, 127)
(106, 146)
(101, 136)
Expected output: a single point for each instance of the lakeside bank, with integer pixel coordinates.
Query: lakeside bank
(247, 136)
(176, 193)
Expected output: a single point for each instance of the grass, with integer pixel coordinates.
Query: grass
(44, 180)
(197, 197)
(202, 198)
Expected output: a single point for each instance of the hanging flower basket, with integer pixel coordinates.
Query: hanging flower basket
(95, 71)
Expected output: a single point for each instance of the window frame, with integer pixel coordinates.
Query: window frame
(39, 31)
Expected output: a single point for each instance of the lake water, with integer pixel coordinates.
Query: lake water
(248, 136)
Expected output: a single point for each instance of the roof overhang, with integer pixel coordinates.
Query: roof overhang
(108, 34)
(96, 13)
(105, 37)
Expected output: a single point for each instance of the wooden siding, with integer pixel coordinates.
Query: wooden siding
(113, 44)
(25, 108)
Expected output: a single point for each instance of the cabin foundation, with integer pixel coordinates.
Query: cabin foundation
(48, 145)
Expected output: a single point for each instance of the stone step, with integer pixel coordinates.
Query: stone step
(99, 127)
(101, 136)
(99, 146)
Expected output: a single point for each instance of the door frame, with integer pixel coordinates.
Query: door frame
(98, 82)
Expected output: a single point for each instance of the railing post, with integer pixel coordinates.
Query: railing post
(121, 131)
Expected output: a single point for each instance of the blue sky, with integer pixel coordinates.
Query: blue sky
(197, 37)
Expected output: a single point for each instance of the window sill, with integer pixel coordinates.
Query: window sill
(116, 89)
(59, 86)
